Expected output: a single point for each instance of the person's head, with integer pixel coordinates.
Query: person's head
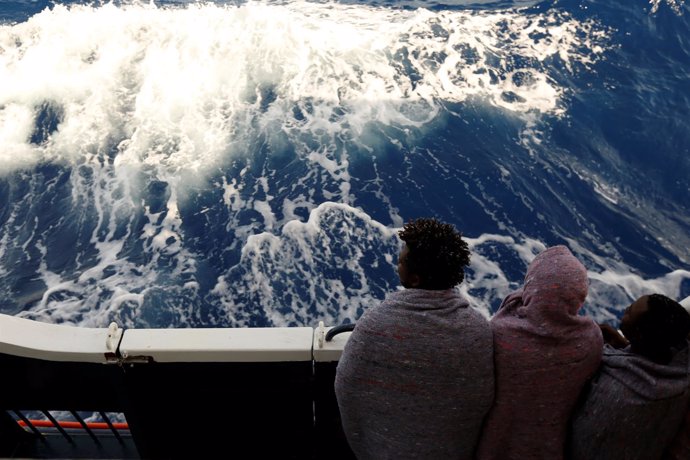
(434, 256)
(656, 325)
(556, 282)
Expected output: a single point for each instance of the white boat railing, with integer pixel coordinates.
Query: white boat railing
(183, 392)
(32, 339)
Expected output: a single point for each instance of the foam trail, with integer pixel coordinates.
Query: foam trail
(330, 268)
(675, 5)
(179, 89)
(146, 112)
(339, 243)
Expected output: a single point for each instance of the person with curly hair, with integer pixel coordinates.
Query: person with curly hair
(416, 377)
(638, 400)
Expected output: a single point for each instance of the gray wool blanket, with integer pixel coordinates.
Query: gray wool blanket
(416, 378)
(633, 409)
(680, 446)
(544, 355)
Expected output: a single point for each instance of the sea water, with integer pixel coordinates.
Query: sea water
(195, 164)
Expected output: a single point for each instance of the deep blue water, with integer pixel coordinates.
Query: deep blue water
(233, 163)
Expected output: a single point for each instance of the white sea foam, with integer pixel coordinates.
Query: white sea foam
(330, 268)
(183, 88)
(276, 271)
(109, 286)
(313, 270)
(166, 94)
(675, 5)
(16, 125)
(153, 95)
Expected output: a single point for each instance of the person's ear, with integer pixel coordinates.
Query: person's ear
(415, 280)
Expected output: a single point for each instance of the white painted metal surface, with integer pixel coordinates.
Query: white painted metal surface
(52, 342)
(330, 351)
(219, 345)
(686, 303)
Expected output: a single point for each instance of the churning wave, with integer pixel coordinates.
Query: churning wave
(210, 164)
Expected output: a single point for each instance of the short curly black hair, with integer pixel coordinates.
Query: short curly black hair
(437, 253)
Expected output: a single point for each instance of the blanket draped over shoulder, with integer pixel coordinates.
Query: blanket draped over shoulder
(633, 408)
(415, 380)
(544, 355)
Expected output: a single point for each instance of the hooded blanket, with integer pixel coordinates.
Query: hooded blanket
(633, 409)
(544, 355)
(415, 379)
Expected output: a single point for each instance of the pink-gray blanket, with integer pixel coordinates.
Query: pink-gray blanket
(416, 378)
(544, 354)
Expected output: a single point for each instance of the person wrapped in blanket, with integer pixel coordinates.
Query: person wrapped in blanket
(416, 377)
(544, 354)
(638, 399)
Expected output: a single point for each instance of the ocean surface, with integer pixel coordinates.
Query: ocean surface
(197, 164)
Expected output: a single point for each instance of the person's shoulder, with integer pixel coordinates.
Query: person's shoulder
(476, 316)
(622, 360)
(473, 324)
(377, 312)
(395, 296)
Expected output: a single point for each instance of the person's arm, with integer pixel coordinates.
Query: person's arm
(613, 337)
(511, 302)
